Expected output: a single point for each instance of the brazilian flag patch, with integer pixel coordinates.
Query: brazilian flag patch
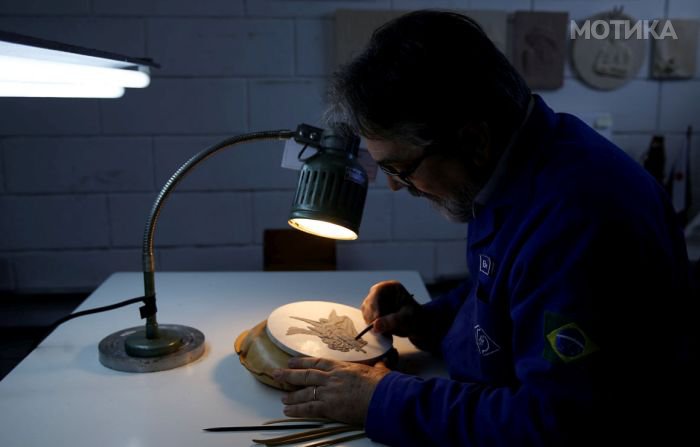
(566, 340)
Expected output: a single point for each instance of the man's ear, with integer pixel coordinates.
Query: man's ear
(475, 136)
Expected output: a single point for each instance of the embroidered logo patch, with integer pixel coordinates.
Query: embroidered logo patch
(485, 265)
(566, 342)
(484, 343)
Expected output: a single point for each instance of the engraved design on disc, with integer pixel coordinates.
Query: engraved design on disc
(337, 332)
(325, 329)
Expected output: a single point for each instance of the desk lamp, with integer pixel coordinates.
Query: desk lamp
(329, 200)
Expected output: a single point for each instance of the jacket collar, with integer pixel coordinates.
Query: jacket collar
(506, 188)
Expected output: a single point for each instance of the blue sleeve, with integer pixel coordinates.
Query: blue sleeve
(439, 314)
(444, 307)
(409, 411)
(604, 279)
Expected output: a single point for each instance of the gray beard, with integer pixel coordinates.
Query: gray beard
(457, 207)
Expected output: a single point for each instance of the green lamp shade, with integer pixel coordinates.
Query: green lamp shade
(330, 195)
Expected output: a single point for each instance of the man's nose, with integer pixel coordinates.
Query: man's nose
(394, 185)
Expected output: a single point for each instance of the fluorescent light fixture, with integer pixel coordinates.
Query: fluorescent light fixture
(31, 67)
(38, 90)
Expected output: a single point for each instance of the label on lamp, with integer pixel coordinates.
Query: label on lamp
(292, 148)
(290, 155)
(354, 175)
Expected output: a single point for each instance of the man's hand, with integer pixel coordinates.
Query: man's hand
(393, 309)
(335, 390)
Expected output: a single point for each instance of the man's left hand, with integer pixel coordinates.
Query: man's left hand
(335, 390)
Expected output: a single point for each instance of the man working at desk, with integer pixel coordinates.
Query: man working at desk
(574, 327)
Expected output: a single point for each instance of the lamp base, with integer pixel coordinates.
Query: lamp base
(115, 355)
(139, 345)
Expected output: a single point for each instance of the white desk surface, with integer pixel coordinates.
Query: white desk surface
(61, 395)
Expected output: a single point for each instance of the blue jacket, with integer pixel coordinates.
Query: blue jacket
(573, 330)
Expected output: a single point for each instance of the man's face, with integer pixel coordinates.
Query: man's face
(445, 180)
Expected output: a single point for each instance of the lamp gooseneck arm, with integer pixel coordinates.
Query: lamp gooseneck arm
(148, 257)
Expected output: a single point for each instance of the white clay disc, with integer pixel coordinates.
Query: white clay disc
(325, 329)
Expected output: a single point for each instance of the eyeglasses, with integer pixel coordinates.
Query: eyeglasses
(403, 176)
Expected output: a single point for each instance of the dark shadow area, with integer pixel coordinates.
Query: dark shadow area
(25, 321)
(443, 286)
(291, 250)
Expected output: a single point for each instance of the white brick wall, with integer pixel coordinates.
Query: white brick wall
(78, 177)
(249, 166)
(450, 259)
(308, 8)
(78, 165)
(187, 218)
(189, 8)
(683, 8)
(71, 271)
(502, 5)
(419, 219)
(418, 256)
(119, 35)
(582, 9)
(677, 111)
(270, 210)
(178, 106)
(53, 221)
(284, 103)
(314, 49)
(222, 47)
(45, 7)
(6, 276)
(2, 168)
(35, 116)
(211, 258)
(418, 4)
(633, 106)
(635, 144)
(377, 217)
